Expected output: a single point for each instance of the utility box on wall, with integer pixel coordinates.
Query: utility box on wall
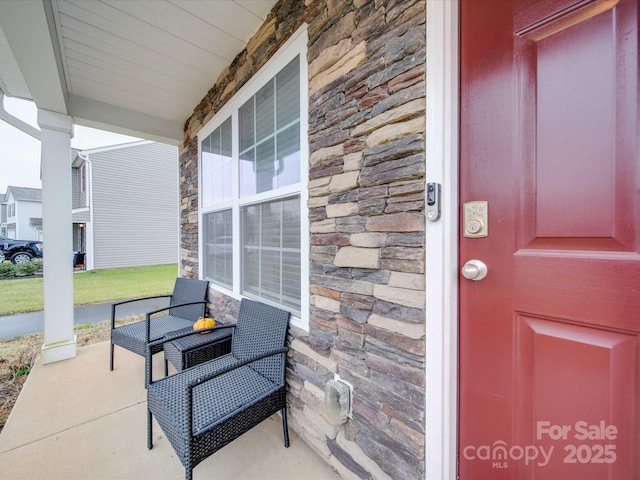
(338, 400)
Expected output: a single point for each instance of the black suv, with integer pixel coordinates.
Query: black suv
(19, 251)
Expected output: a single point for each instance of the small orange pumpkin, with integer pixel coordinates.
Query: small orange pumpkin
(204, 323)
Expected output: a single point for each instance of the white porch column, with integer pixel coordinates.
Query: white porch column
(59, 338)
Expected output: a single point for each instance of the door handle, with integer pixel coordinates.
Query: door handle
(474, 270)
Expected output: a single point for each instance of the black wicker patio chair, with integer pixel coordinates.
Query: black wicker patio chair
(203, 408)
(186, 304)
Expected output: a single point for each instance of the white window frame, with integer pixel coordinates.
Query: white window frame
(295, 46)
(82, 172)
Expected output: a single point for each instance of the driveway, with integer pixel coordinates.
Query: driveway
(33, 322)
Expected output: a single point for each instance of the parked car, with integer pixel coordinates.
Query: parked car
(19, 251)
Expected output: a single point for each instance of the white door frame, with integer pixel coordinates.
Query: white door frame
(442, 160)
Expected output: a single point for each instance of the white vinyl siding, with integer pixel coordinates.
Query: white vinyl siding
(135, 205)
(81, 216)
(24, 212)
(79, 193)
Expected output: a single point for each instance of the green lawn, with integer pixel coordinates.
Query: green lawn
(96, 286)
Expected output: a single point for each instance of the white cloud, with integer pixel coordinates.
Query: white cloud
(20, 153)
(19, 159)
(85, 138)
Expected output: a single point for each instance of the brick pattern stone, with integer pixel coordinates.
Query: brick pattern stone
(366, 213)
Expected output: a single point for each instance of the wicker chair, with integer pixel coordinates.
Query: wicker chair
(203, 408)
(186, 304)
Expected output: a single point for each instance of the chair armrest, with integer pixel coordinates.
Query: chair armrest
(147, 331)
(142, 298)
(148, 317)
(175, 335)
(197, 381)
(204, 302)
(115, 304)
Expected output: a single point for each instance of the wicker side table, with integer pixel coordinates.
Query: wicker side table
(197, 348)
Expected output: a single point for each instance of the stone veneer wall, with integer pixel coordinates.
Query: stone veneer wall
(366, 208)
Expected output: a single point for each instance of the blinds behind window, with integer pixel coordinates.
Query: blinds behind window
(270, 134)
(271, 251)
(218, 248)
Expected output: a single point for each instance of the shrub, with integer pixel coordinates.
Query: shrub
(9, 270)
(25, 268)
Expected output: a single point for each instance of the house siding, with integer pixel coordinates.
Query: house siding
(24, 212)
(79, 198)
(81, 216)
(366, 213)
(75, 188)
(135, 206)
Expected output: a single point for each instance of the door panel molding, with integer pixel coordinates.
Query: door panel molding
(598, 359)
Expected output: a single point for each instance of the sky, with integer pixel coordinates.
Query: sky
(20, 153)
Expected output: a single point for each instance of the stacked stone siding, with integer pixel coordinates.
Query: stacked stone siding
(366, 212)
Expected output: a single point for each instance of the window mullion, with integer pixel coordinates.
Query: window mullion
(281, 252)
(269, 137)
(260, 247)
(275, 127)
(235, 208)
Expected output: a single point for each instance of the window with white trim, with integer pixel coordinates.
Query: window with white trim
(253, 165)
(82, 173)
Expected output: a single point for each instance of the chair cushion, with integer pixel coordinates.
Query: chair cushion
(213, 401)
(133, 336)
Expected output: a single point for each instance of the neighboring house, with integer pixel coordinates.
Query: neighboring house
(125, 205)
(22, 213)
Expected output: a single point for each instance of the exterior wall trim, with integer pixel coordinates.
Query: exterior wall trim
(441, 241)
(89, 256)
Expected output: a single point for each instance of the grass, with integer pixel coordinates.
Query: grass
(96, 286)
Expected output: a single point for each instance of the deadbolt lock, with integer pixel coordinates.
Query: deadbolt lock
(476, 219)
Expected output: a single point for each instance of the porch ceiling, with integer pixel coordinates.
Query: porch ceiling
(133, 67)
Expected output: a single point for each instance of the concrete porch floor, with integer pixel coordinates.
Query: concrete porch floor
(77, 420)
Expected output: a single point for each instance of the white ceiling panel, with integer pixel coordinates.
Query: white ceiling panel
(256, 7)
(171, 20)
(148, 59)
(229, 17)
(11, 81)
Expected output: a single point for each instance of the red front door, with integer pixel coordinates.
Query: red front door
(549, 339)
